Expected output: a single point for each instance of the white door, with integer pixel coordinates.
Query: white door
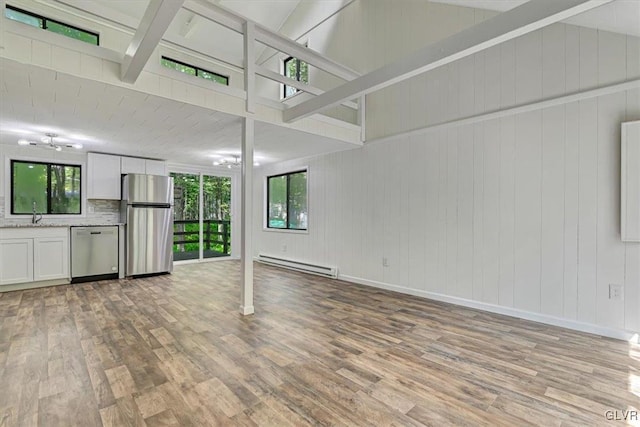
(51, 258)
(16, 261)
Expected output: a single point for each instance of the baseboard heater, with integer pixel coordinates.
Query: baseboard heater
(304, 267)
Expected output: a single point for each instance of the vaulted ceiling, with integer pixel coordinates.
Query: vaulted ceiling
(620, 16)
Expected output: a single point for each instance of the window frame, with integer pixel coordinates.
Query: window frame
(45, 20)
(196, 68)
(297, 77)
(266, 226)
(48, 164)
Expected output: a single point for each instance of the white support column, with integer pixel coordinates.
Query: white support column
(362, 117)
(250, 65)
(246, 220)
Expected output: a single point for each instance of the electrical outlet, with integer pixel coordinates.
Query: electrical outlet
(616, 292)
(385, 262)
(284, 248)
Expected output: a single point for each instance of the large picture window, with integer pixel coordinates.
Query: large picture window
(49, 188)
(287, 201)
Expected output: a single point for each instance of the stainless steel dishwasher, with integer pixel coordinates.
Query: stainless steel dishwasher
(94, 253)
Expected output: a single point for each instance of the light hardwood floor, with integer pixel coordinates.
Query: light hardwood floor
(173, 350)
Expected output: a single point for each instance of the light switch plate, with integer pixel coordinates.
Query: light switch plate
(616, 292)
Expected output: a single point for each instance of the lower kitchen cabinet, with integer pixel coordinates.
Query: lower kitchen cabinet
(50, 258)
(34, 254)
(16, 261)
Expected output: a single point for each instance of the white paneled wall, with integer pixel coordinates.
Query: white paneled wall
(519, 214)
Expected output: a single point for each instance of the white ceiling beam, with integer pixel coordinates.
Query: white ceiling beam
(270, 38)
(217, 14)
(516, 22)
(310, 56)
(272, 75)
(153, 25)
(188, 28)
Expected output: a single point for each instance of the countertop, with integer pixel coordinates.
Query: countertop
(53, 225)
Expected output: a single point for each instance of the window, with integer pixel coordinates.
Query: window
(287, 201)
(297, 70)
(38, 21)
(51, 188)
(194, 71)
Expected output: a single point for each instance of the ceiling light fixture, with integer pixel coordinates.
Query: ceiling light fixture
(236, 162)
(48, 142)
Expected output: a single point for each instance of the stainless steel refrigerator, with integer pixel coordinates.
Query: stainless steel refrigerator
(147, 211)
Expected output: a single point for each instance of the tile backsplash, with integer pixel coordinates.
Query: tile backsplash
(98, 212)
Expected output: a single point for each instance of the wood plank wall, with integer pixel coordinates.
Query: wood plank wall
(520, 212)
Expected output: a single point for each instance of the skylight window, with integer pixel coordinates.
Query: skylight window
(192, 70)
(38, 21)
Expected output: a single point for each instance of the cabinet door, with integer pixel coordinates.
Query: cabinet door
(16, 261)
(103, 177)
(156, 167)
(50, 258)
(133, 165)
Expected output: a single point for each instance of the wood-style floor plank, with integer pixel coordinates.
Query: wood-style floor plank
(174, 351)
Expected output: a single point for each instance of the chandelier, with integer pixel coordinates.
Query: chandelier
(47, 141)
(235, 162)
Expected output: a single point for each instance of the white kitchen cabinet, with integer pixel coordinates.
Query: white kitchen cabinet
(103, 178)
(16, 261)
(155, 167)
(143, 166)
(34, 254)
(133, 165)
(50, 258)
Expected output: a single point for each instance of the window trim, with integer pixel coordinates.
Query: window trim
(266, 226)
(12, 213)
(297, 78)
(45, 20)
(198, 69)
(284, 72)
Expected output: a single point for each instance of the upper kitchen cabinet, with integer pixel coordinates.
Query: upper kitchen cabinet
(143, 166)
(103, 178)
(156, 167)
(132, 165)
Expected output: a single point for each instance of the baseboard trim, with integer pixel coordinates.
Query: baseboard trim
(246, 310)
(34, 285)
(498, 309)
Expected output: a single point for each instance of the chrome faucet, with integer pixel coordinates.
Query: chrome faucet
(34, 218)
